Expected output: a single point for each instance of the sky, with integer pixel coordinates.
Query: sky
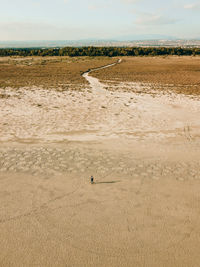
(98, 19)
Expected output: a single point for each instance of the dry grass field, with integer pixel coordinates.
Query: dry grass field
(178, 74)
(47, 72)
(142, 148)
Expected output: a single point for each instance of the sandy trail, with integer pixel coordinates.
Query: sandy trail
(38, 115)
(94, 82)
(144, 152)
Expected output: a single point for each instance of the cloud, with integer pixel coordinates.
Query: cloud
(27, 30)
(154, 19)
(37, 31)
(194, 6)
(92, 7)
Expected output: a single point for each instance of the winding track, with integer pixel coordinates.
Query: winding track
(94, 82)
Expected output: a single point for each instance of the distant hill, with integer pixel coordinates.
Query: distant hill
(129, 41)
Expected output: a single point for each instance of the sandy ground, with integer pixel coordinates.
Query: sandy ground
(144, 152)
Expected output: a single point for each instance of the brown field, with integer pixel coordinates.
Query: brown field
(142, 148)
(178, 74)
(47, 72)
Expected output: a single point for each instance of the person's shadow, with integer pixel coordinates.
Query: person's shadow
(107, 182)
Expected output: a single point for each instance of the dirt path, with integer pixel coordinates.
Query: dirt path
(94, 82)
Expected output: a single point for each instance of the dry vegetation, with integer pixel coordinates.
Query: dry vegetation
(179, 74)
(49, 72)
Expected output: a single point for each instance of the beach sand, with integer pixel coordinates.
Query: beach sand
(141, 148)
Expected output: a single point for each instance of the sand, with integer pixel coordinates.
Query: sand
(141, 148)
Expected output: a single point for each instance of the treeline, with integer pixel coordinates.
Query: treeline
(100, 51)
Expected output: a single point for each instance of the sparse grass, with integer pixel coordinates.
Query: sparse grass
(179, 74)
(60, 73)
(4, 96)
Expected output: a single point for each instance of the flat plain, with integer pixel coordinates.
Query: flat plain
(137, 132)
(60, 73)
(169, 73)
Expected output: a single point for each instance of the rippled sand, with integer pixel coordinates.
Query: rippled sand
(141, 148)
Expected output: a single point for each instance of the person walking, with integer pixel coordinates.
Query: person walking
(92, 179)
